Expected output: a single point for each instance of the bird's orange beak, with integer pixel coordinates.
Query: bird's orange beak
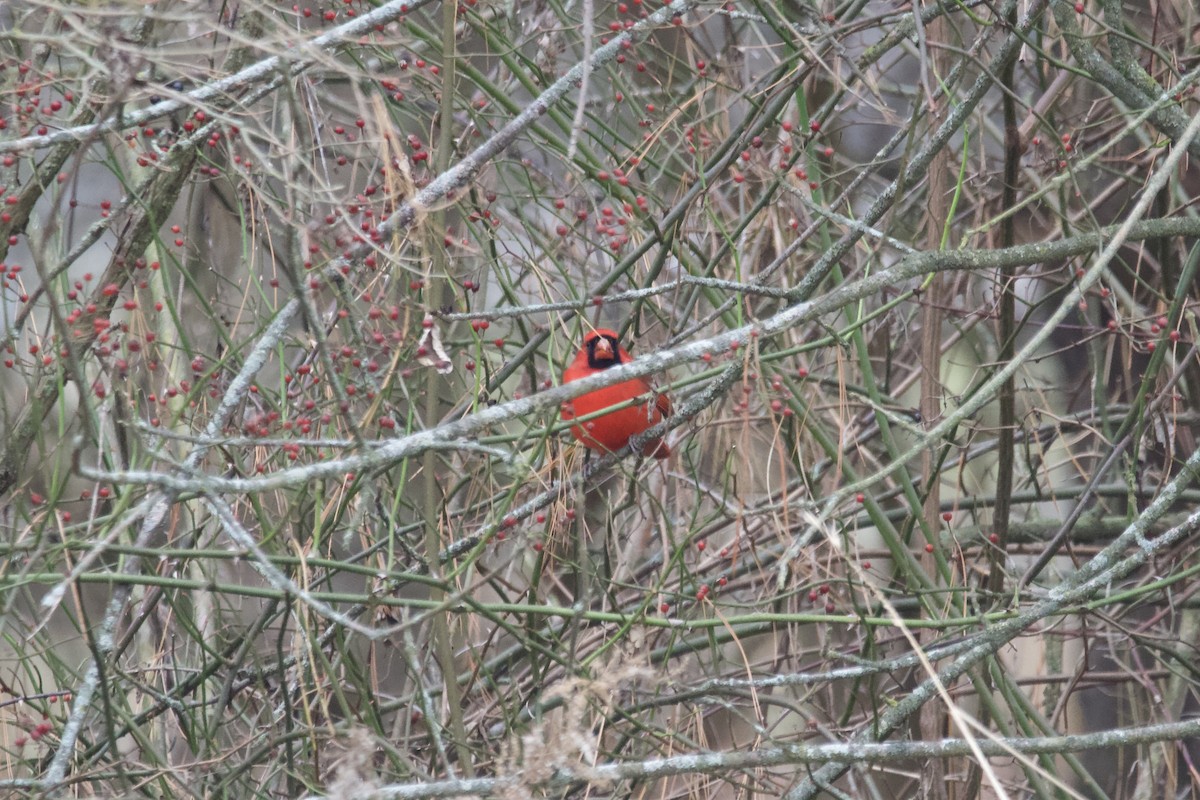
(604, 351)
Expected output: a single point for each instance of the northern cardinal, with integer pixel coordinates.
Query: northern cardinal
(612, 431)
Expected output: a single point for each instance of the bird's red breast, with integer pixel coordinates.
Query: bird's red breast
(612, 431)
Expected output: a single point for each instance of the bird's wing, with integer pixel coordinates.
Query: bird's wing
(663, 404)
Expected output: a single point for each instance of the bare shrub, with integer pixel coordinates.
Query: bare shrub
(288, 507)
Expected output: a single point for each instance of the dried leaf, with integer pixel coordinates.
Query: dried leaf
(430, 352)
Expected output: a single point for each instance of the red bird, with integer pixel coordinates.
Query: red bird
(612, 431)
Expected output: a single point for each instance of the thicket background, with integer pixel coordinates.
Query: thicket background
(287, 292)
